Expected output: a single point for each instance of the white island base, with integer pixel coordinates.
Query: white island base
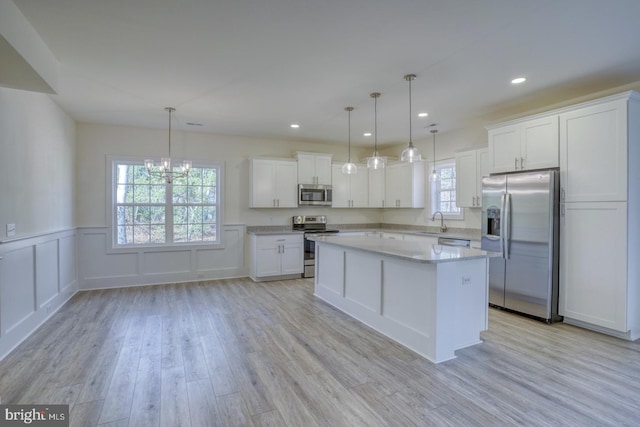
(433, 308)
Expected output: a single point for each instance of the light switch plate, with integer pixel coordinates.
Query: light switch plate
(11, 230)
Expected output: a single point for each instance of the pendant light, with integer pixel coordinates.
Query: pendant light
(411, 153)
(433, 177)
(349, 168)
(375, 162)
(164, 170)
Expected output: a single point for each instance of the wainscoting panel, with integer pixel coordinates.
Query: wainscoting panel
(37, 276)
(101, 267)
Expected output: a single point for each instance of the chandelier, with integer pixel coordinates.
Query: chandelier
(164, 170)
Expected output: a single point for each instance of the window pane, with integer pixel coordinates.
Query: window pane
(125, 235)
(209, 214)
(179, 194)
(124, 174)
(195, 232)
(180, 233)
(195, 176)
(141, 194)
(142, 215)
(157, 234)
(195, 194)
(180, 215)
(209, 195)
(195, 214)
(141, 234)
(140, 175)
(158, 194)
(209, 177)
(124, 215)
(209, 231)
(157, 215)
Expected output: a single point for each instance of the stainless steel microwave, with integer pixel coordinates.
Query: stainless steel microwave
(314, 195)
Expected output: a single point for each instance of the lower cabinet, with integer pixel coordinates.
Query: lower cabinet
(276, 256)
(594, 283)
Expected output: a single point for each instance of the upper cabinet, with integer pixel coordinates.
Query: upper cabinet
(314, 168)
(273, 183)
(471, 166)
(524, 145)
(350, 191)
(404, 185)
(376, 179)
(593, 153)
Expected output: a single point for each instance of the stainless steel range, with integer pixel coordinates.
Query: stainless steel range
(311, 225)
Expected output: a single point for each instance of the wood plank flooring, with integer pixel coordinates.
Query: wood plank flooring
(239, 353)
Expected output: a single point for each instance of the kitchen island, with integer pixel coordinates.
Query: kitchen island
(430, 298)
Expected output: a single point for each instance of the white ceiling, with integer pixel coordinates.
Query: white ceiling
(252, 67)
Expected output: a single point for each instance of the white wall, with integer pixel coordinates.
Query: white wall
(96, 141)
(38, 266)
(37, 164)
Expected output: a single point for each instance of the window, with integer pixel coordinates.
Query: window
(443, 191)
(146, 211)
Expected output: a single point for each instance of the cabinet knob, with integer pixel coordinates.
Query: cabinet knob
(516, 163)
(521, 162)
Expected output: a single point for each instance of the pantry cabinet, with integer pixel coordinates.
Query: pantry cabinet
(600, 215)
(276, 256)
(350, 191)
(273, 183)
(471, 166)
(314, 168)
(405, 185)
(526, 144)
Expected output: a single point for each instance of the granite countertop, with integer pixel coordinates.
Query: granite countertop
(415, 250)
(453, 233)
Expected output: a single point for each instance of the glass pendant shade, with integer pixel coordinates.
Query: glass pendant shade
(411, 153)
(434, 177)
(375, 162)
(349, 168)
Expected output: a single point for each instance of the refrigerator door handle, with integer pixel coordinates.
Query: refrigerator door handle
(507, 225)
(503, 198)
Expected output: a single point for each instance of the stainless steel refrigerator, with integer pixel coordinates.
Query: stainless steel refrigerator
(520, 219)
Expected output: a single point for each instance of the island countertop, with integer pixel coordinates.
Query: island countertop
(420, 251)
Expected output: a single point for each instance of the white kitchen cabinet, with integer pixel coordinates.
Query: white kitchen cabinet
(593, 152)
(349, 191)
(314, 168)
(471, 166)
(593, 276)
(404, 185)
(600, 215)
(276, 256)
(273, 183)
(526, 144)
(376, 187)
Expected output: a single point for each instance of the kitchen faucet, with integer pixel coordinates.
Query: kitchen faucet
(443, 226)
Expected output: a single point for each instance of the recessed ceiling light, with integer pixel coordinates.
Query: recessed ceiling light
(423, 114)
(367, 134)
(518, 80)
(295, 125)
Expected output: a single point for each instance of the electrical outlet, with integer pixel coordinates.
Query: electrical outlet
(11, 230)
(466, 280)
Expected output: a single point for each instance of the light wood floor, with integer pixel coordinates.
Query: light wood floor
(234, 352)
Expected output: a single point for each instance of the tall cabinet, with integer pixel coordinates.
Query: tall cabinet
(600, 215)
